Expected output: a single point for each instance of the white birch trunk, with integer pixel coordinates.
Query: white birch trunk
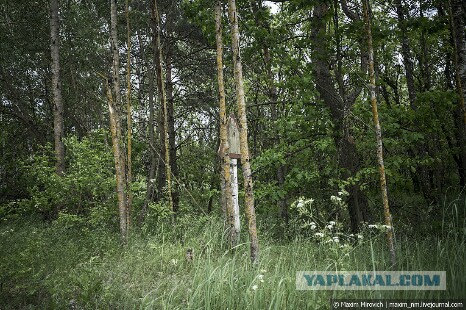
(234, 195)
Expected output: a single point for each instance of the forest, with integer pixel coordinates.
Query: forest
(199, 154)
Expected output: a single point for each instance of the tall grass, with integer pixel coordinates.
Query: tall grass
(74, 265)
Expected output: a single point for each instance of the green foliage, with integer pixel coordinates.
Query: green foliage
(87, 188)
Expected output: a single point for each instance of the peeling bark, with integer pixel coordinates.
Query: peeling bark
(245, 160)
(225, 181)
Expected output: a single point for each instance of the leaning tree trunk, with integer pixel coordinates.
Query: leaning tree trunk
(245, 160)
(163, 101)
(378, 133)
(58, 128)
(115, 126)
(225, 181)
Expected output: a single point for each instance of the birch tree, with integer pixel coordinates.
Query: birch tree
(225, 182)
(58, 128)
(378, 133)
(245, 160)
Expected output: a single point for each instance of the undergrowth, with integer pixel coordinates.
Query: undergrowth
(72, 264)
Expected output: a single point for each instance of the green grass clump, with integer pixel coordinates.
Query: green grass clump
(72, 264)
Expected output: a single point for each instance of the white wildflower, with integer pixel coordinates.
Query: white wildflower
(332, 222)
(263, 271)
(313, 226)
(261, 278)
(372, 226)
(360, 237)
(254, 287)
(336, 239)
(319, 234)
(174, 261)
(329, 226)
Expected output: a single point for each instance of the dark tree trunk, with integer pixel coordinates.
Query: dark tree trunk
(457, 24)
(406, 52)
(339, 108)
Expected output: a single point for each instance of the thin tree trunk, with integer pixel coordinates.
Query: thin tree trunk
(163, 102)
(245, 160)
(150, 190)
(115, 126)
(424, 54)
(160, 167)
(225, 181)
(406, 52)
(119, 164)
(171, 119)
(129, 122)
(58, 127)
(378, 132)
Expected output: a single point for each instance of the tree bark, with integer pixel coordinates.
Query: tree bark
(163, 103)
(245, 160)
(378, 133)
(129, 123)
(406, 52)
(160, 166)
(58, 127)
(457, 25)
(339, 109)
(225, 179)
(115, 126)
(171, 119)
(150, 190)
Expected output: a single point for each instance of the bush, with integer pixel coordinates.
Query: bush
(87, 188)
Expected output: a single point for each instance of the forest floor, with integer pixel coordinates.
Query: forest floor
(72, 264)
